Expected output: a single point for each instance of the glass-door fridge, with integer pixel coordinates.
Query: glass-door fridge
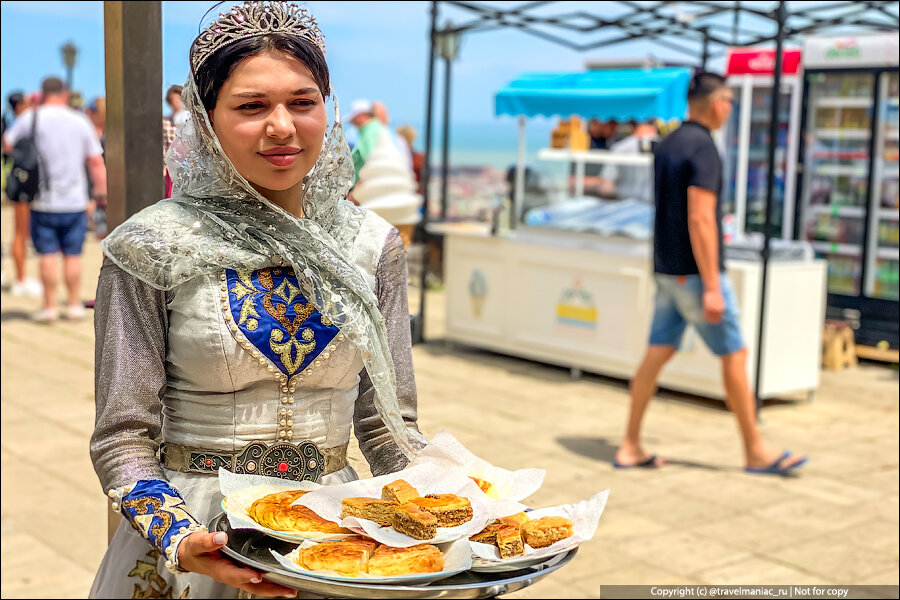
(883, 245)
(848, 179)
(746, 141)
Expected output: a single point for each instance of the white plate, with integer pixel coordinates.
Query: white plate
(297, 537)
(483, 565)
(457, 558)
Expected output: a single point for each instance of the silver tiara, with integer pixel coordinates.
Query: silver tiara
(252, 19)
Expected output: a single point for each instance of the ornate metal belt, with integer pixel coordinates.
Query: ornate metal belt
(301, 461)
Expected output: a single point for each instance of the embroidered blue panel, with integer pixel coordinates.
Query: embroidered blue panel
(157, 511)
(276, 318)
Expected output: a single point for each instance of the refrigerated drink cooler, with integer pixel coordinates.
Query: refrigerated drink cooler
(746, 141)
(848, 178)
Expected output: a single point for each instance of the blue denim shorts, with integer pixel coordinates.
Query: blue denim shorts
(679, 303)
(55, 232)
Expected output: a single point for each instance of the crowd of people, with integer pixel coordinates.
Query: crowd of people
(369, 118)
(57, 199)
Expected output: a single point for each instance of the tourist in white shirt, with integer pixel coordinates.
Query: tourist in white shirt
(66, 143)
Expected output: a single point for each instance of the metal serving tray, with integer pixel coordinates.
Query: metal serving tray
(251, 548)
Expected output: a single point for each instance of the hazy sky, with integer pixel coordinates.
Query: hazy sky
(375, 50)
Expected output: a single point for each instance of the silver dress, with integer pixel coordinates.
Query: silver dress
(171, 367)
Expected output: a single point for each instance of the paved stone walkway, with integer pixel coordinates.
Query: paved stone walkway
(698, 520)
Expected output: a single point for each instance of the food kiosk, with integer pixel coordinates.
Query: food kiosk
(575, 288)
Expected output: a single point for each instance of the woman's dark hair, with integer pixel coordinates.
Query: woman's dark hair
(216, 69)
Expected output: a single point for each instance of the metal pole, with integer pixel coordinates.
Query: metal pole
(418, 334)
(519, 191)
(735, 24)
(770, 189)
(445, 154)
(705, 58)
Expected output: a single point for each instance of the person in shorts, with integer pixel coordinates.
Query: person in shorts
(22, 285)
(66, 143)
(692, 286)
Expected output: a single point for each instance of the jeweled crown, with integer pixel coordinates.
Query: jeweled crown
(252, 19)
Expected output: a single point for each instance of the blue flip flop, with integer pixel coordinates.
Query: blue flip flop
(775, 469)
(650, 463)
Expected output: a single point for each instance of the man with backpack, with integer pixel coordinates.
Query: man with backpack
(61, 142)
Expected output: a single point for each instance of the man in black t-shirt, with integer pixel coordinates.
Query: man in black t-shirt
(692, 285)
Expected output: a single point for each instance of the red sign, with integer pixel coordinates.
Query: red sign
(753, 61)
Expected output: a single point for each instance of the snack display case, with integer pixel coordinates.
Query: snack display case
(849, 178)
(746, 140)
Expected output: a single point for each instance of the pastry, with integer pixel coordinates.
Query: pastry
(423, 558)
(399, 491)
(373, 509)
(486, 486)
(360, 541)
(450, 510)
(275, 511)
(517, 519)
(488, 535)
(509, 541)
(546, 531)
(301, 518)
(411, 520)
(346, 558)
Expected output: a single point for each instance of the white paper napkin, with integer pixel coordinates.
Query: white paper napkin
(446, 451)
(584, 515)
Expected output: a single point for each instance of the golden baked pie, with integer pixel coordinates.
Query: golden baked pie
(373, 509)
(509, 541)
(423, 558)
(488, 535)
(482, 484)
(451, 510)
(275, 511)
(411, 520)
(346, 558)
(517, 519)
(399, 491)
(545, 531)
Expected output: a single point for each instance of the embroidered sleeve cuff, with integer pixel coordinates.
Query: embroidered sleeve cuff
(158, 512)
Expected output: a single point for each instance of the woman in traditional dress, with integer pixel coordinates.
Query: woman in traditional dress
(249, 321)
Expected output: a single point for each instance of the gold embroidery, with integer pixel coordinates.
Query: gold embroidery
(246, 293)
(155, 585)
(149, 508)
(284, 350)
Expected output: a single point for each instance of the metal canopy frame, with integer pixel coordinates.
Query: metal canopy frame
(666, 24)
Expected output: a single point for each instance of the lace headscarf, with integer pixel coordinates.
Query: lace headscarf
(217, 220)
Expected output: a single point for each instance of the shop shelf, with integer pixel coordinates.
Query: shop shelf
(833, 248)
(888, 253)
(841, 102)
(846, 134)
(839, 211)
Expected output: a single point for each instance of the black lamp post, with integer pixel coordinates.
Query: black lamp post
(69, 56)
(447, 42)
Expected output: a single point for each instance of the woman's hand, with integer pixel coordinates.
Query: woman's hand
(199, 553)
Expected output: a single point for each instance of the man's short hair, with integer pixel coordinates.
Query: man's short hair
(52, 86)
(15, 99)
(703, 85)
(173, 89)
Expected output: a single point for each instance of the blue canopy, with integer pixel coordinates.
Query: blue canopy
(605, 94)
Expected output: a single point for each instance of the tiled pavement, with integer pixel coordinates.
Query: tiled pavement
(698, 520)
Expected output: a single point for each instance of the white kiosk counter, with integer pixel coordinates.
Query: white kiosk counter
(585, 302)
